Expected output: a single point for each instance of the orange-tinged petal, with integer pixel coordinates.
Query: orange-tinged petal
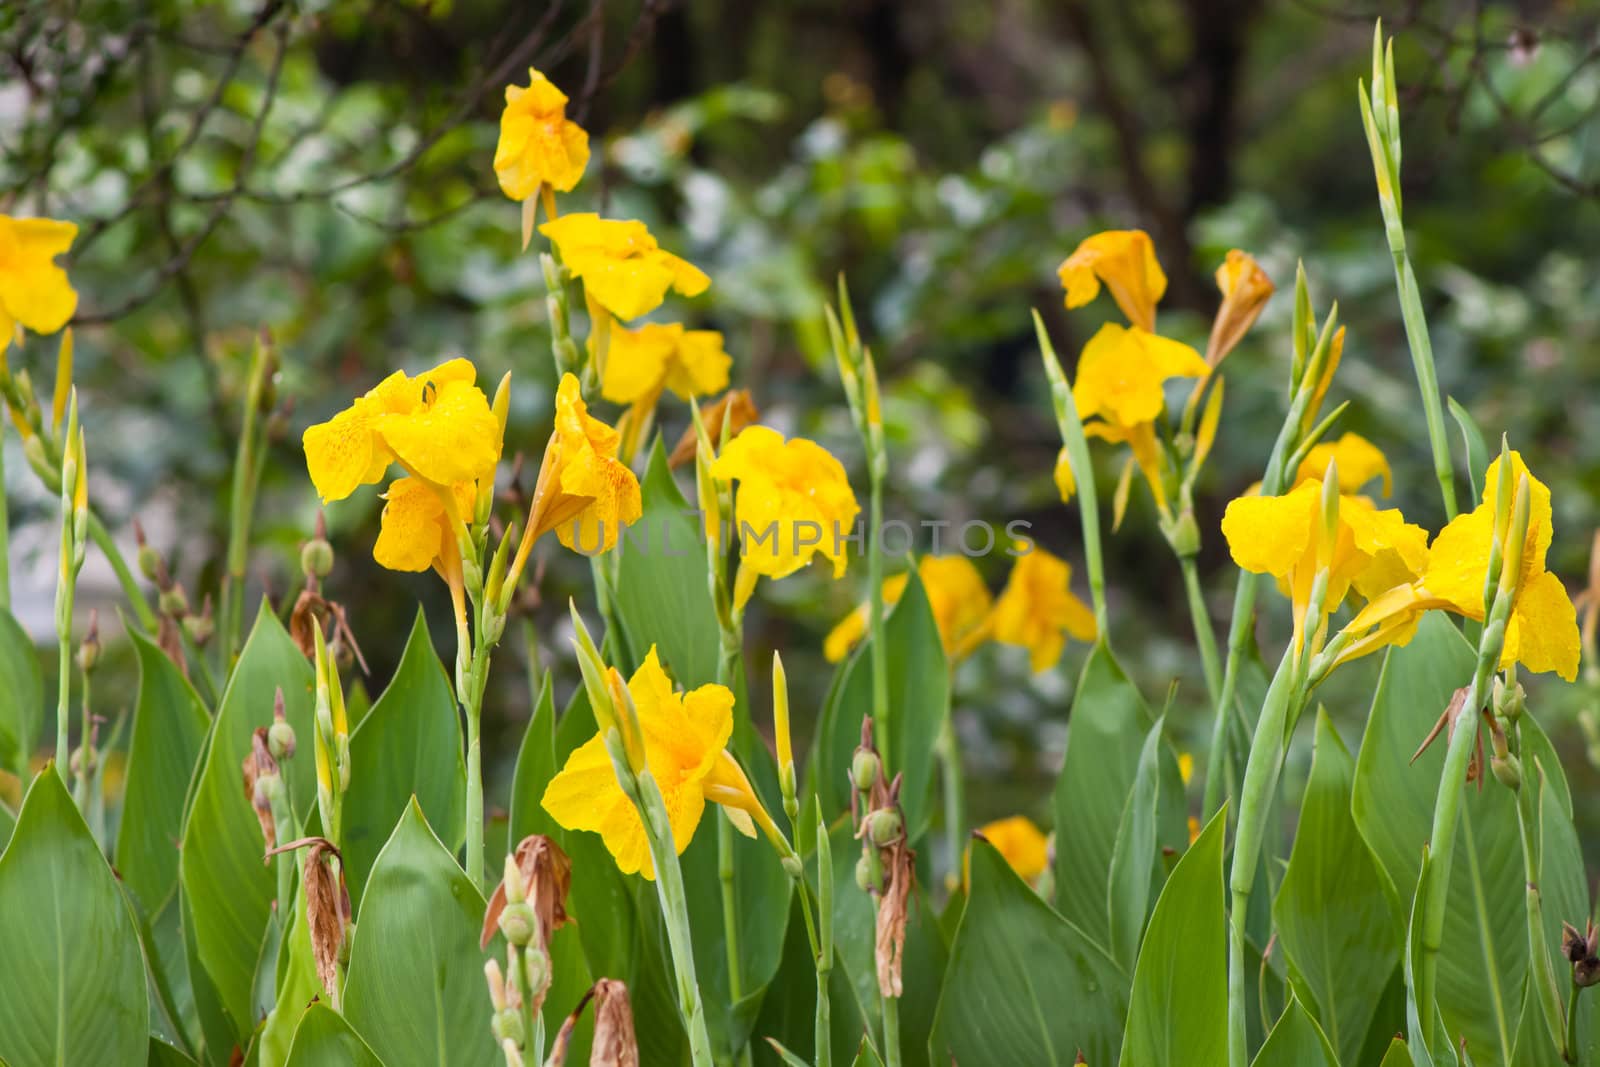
(1125, 261)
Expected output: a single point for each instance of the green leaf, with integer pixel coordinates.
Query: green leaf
(1104, 739)
(172, 1009)
(1484, 957)
(22, 712)
(164, 1055)
(1477, 457)
(1025, 986)
(925, 958)
(1564, 897)
(866, 1056)
(69, 953)
(220, 1037)
(663, 595)
(919, 694)
(1179, 1009)
(169, 731)
(1397, 1056)
(760, 892)
(228, 889)
(1296, 1041)
(1333, 914)
(415, 985)
(296, 986)
(8, 822)
(1135, 855)
(325, 1039)
(536, 765)
(408, 745)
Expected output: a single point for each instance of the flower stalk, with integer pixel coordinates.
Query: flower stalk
(1077, 445)
(74, 481)
(246, 479)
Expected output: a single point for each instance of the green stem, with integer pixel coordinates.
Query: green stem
(730, 919)
(477, 677)
(130, 585)
(1070, 427)
(880, 654)
(1573, 993)
(1422, 361)
(1447, 811)
(954, 795)
(1204, 635)
(646, 796)
(891, 1031)
(1544, 975)
(1255, 801)
(241, 507)
(81, 789)
(5, 533)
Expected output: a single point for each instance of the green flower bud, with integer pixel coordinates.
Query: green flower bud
(518, 923)
(884, 827)
(508, 1026)
(316, 558)
(281, 740)
(173, 602)
(864, 875)
(199, 628)
(538, 966)
(1507, 770)
(864, 769)
(793, 867)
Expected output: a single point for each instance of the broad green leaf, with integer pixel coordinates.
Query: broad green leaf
(1296, 1041)
(1485, 929)
(663, 596)
(172, 1008)
(1397, 1056)
(1564, 897)
(415, 984)
(1135, 854)
(866, 1056)
(1179, 1007)
(1104, 738)
(8, 822)
(408, 745)
(325, 1039)
(297, 985)
(73, 974)
(760, 896)
(1333, 914)
(1477, 455)
(919, 699)
(925, 957)
(169, 731)
(1025, 986)
(219, 1037)
(22, 712)
(1444, 1054)
(536, 765)
(164, 1055)
(228, 889)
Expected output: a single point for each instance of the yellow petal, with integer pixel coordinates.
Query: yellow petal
(1125, 261)
(412, 531)
(699, 366)
(1066, 484)
(1022, 844)
(1271, 534)
(1122, 372)
(1542, 634)
(636, 361)
(1359, 461)
(344, 453)
(455, 438)
(1458, 560)
(33, 290)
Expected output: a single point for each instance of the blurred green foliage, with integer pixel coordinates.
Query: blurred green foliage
(322, 171)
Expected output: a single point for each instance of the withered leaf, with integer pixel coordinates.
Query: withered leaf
(547, 874)
(258, 763)
(327, 911)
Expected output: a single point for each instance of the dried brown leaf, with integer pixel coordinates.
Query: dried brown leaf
(258, 764)
(327, 911)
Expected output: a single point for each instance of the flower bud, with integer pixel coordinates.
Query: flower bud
(316, 558)
(537, 964)
(1507, 770)
(793, 867)
(89, 650)
(199, 627)
(884, 827)
(517, 922)
(864, 880)
(497, 984)
(281, 740)
(864, 769)
(1184, 535)
(173, 602)
(508, 1026)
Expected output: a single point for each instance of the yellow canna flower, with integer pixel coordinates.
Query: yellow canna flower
(538, 145)
(684, 739)
(622, 268)
(1037, 609)
(794, 501)
(1372, 551)
(641, 363)
(1125, 262)
(584, 493)
(957, 597)
(34, 292)
(437, 424)
(1121, 375)
(1022, 844)
(1358, 461)
(1542, 632)
(415, 532)
(1245, 291)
